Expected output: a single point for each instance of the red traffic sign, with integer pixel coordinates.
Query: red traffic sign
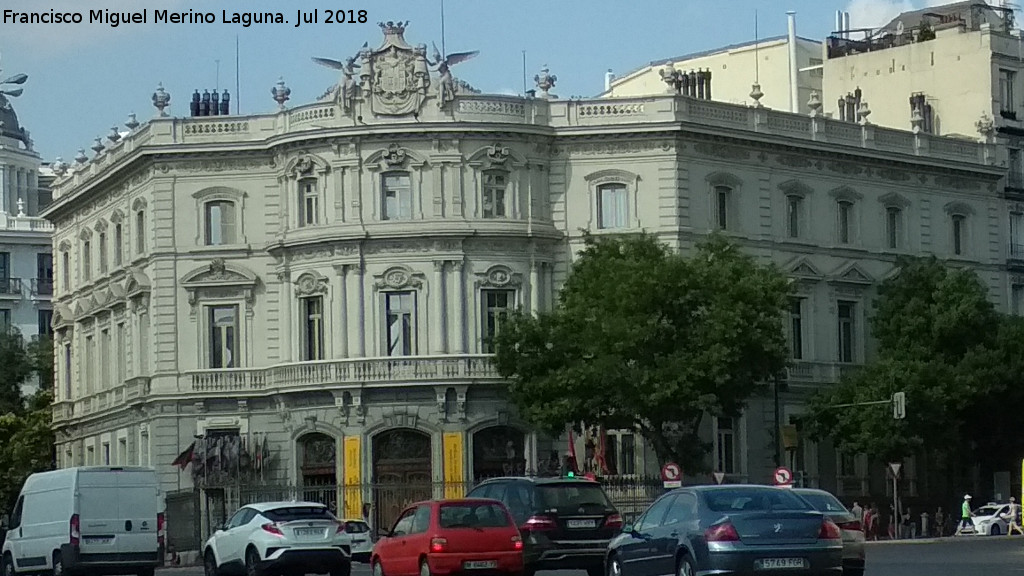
(783, 476)
(671, 472)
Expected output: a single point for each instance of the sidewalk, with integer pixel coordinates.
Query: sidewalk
(967, 538)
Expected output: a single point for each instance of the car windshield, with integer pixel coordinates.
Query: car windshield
(754, 500)
(823, 501)
(986, 511)
(292, 513)
(474, 515)
(356, 527)
(569, 497)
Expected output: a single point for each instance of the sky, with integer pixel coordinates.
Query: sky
(85, 78)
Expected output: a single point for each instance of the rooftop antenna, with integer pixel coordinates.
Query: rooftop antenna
(524, 72)
(757, 42)
(238, 93)
(443, 53)
(217, 83)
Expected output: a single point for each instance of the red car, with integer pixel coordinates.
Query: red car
(439, 537)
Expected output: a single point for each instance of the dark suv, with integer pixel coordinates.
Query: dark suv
(566, 523)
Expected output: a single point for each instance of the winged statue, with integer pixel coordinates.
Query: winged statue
(13, 93)
(345, 90)
(443, 65)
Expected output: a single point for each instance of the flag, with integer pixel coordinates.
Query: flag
(185, 458)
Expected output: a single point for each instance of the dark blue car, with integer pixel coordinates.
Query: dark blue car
(728, 530)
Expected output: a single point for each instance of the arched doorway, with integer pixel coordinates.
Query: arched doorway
(499, 451)
(318, 465)
(402, 467)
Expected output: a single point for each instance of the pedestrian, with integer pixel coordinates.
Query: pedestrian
(940, 523)
(924, 525)
(1013, 520)
(909, 526)
(965, 517)
(858, 512)
(876, 521)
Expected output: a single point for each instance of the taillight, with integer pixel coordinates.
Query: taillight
(517, 543)
(76, 530)
(273, 529)
(538, 523)
(438, 544)
(161, 528)
(724, 532)
(341, 528)
(613, 521)
(829, 531)
(852, 526)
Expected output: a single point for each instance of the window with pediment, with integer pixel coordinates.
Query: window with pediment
(795, 194)
(724, 189)
(222, 330)
(959, 230)
(102, 240)
(895, 220)
(398, 288)
(613, 204)
(846, 312)
(499, 289)
(396, 196)
(118, 244)
(87, 256)
(847, 223)
(309, 173)
(220, 223)
(311, 287)
(65, 266)
(221, 296)
(140, 227)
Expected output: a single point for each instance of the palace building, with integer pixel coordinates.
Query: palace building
(302, 297)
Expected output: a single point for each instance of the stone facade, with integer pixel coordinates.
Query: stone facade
(318, 281)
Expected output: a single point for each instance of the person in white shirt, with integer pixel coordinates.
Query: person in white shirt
(1013, 518)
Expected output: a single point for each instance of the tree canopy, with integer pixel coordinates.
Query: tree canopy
(643, 337)
(25, 416)
(943, 344)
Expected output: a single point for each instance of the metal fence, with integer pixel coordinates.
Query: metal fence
(194, 515)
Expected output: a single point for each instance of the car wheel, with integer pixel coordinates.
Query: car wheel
(595, 571)
(146, 572)
(615, 566)
(377, 569)
(344, 570)
(58, 565)
(424, 568)
(210, 564)
(252, 562)
(853, 572)
(8, 566)
(685, 567)
(994, 530)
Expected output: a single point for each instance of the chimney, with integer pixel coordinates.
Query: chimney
(794, 90)
(839, 22)
(608, 77)
(846, 25)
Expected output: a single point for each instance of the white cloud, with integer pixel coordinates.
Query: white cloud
(875, 13)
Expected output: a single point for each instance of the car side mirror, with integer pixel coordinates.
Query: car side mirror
(627, 529)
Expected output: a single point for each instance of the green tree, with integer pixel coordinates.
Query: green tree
(939, 341)
(644, 337)
(17, 370)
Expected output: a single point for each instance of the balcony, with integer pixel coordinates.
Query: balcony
(133, 390)
(350, 371)
(1015, 256)
(820, 372)
(42, 287)
(10, 288)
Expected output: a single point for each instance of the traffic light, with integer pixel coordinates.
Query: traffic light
(899, 405)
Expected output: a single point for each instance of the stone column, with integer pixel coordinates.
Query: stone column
(4, 186)
(357, 330)
(289, 347)
(438, 345)
(341, 331)
(458, 309)
(534, 287)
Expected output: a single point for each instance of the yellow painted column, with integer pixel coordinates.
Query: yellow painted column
(454, 455)
(353, 477)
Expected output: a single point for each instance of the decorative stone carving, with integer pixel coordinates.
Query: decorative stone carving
(398, 277)
(722, 151)
(219, 280)
(497, 154)
(311, 284)
(396, 75)
(545, 82)
(395, 156)
(499, 276)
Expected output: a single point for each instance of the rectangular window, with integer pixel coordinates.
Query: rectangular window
(796, 328)
(1017, 299)
(44, 275)
(90, 360)
(68, 375)
(847, 465)
(86, 260)
(106, 453)
(90, 456)
(122, 451)
(498, 304)
(620, 453)
(612, 206)
(309, 202)
(495, 184)
(958, 234)
(103, 252)
(313, 328)
(725, 451)
(1017, 235)
(396, 201)
(847, 333)
(65, 273)
(1007, 105)
(722, 207)
(140, 232)
(45, 318)
(122, 354)
(5, 319)
(893, 228)
(400, 308)
(220, 223)
(104, 359)
(118, 244)
(845, 217)
(223, 334)
(1015, 173)
(793, 206)
(144, 449)
(5, 269)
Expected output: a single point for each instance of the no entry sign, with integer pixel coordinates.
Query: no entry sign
(672, 475)
(783, 476)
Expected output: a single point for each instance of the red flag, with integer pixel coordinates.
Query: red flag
(185, 458)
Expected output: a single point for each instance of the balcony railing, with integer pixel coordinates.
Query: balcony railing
(10, 286)
(42, 286)
(1016, 251)
(820, 372)
(396, 370)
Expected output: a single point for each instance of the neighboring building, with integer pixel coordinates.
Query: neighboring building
(734, 70)
(954, 70)
(308, 291)
(26, 268)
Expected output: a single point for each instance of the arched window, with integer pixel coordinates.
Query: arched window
(220, 223)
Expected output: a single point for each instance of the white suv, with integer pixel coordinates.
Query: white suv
(280, 537)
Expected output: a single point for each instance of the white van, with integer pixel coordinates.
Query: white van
(91, 520)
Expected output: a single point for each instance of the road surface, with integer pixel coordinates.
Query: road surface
(997, 555)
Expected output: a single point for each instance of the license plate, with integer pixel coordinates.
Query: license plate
(581, 523)
(480, 564)
(95, 540)
(308, 532)
(779, 563)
